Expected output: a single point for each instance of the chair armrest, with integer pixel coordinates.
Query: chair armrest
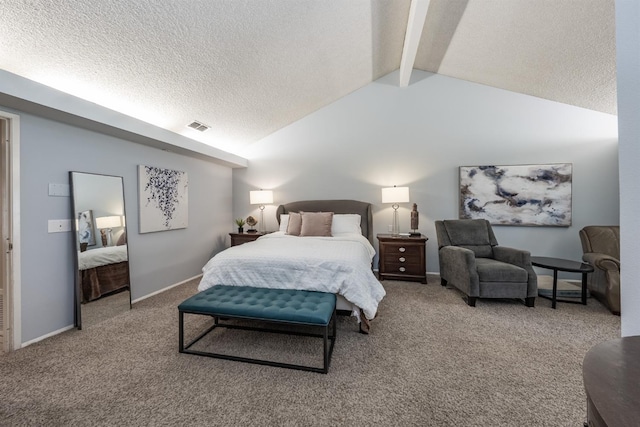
(602, 261)
(458, 258)
(522, 259)
(518, 257)
(458, 266)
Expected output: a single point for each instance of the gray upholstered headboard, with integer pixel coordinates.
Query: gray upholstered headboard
(335, 206)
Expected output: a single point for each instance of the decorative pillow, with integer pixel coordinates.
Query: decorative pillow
(346, 223)
(295, 224)
(284, 222)
(122, 240)
(316, 224)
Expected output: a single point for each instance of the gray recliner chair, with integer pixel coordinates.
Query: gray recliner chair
(472, 261)
(601, 249)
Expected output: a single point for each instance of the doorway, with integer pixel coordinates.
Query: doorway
(10, 333)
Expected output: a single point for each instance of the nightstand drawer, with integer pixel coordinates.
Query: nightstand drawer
(402, 268)
(240, 238)
(407, 251)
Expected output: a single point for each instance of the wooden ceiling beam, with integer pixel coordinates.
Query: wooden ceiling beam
(415, 24)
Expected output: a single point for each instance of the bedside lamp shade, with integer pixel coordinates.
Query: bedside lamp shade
(108, 221)
(395, 195)
(261, 197)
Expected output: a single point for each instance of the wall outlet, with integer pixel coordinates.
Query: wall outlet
(59, 225)
(59, 190)
(390, 228)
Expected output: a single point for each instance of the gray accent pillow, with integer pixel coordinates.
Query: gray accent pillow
(316, 224)
(295, 224)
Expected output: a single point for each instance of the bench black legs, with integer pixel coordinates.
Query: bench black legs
(328, 336)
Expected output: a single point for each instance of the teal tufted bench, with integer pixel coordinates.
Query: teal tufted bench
(283, 306)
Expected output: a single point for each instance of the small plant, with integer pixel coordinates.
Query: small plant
(240, 222)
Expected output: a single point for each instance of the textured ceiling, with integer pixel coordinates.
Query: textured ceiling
(248, 68)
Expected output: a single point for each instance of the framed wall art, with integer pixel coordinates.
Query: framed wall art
(163, 199)
(86, 232)
(535, 195)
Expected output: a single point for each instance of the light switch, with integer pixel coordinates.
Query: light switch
(59, 190)
(59, 225)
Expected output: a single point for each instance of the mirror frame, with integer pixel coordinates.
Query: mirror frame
(76, 244)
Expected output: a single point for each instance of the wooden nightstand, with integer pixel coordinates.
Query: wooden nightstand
(402, 257)
(240, 238)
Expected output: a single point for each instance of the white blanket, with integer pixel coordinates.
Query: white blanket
(101, 256)
(339, 264)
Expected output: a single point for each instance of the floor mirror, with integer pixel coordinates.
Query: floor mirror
(102, 282)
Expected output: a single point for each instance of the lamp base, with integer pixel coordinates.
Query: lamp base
(415, 233)
(252, 230)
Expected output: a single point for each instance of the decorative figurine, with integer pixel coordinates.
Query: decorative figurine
(251, 222)
(414, 221)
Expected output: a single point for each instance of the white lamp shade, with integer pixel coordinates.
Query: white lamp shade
(261, 197)
(109, 221)
(395, 195)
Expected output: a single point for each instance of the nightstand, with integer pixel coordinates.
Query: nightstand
(240, 238)
(402, 257)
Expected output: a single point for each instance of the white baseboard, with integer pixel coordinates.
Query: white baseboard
(164, 289)
(66, 328)
(50, 334)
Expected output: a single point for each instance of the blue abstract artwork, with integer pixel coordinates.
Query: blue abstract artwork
(163, 197)
(535, 195)
(85, 228)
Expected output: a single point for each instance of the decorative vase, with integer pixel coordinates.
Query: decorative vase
(240, 229)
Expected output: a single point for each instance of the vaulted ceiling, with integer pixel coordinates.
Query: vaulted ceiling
(250, 67)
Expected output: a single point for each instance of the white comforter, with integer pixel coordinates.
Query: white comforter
(340, 264)
(101, 256)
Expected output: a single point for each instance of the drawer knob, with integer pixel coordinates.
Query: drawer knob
(402, 259)
(402, 269)
(401, 249)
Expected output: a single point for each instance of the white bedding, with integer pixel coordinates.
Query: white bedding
(101, 256)
(340, 264)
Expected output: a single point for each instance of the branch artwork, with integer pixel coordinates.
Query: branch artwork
(163, 199)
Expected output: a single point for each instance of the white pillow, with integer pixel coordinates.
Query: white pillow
(284, 222)
(346, 223)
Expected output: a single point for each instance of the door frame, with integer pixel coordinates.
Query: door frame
(13, 289)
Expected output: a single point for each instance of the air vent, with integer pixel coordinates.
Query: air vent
(198, 126)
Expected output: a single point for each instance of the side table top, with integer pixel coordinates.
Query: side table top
(382, 236)
(561, 264)
(610, 372)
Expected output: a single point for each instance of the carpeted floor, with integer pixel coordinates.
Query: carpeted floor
(430, 361)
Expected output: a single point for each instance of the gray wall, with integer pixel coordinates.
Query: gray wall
(49, 150)
(628, 66)
(382, 135)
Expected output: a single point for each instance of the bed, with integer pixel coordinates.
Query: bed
(103, 271)
(340, 264)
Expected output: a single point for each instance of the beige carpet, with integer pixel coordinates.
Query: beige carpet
(430, 361)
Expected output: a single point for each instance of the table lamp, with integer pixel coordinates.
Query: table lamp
(395, 195)
(262, 198)
(106, 224)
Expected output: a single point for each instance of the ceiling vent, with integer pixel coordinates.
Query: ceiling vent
(198, 126)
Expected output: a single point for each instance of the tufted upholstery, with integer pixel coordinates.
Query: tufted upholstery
(290, 305)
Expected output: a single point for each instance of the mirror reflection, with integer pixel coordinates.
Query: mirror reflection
(102, 283)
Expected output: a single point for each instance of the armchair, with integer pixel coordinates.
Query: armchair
(601, 247)
(471, 260)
